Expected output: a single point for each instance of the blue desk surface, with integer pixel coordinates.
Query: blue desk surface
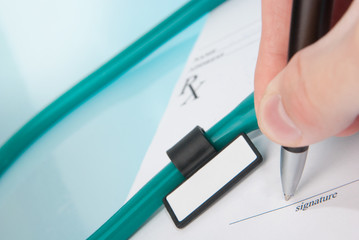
(70, 181)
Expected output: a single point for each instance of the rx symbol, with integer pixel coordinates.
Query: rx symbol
(190, 88)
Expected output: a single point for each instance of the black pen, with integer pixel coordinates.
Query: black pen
(310, 21)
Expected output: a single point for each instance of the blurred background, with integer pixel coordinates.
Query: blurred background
(78, 174)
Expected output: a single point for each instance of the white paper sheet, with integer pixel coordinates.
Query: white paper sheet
(218, 75)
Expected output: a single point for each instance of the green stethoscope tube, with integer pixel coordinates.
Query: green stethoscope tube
(131, 216)
(241, 119)
(133, 54)
(140, 207)
(125, 222)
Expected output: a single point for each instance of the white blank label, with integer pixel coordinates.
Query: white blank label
(211, 178)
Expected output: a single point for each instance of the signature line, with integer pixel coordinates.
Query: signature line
(285, 206)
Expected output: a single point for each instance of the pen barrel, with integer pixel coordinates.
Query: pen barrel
(310, 21)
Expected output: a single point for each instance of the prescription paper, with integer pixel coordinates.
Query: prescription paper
(219, 74)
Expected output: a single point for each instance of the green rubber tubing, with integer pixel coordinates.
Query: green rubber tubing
(126, 221)
(139, 208)
(240, 120)
(114, 68)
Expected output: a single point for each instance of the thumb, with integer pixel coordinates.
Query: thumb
(316, 95)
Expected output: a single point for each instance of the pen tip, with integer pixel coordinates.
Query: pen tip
(287, 197)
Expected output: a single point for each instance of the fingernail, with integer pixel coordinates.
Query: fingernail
(275, 122)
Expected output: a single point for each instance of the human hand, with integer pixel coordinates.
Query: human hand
(315, 95)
